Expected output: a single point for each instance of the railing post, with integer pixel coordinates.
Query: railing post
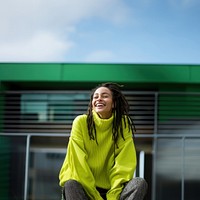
(155, 146)
(26, 166)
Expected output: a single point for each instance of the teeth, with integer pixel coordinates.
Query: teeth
(99, 104)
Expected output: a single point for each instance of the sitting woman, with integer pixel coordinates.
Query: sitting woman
(101, 156)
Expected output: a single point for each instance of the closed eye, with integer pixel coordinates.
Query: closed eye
(95, 97)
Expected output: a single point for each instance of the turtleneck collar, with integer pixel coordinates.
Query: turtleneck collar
(102, 123)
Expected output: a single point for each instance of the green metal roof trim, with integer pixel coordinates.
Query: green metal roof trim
(84, 72)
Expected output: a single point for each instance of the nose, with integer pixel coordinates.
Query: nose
(99, 98)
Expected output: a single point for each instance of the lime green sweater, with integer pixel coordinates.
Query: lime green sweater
(96, 165)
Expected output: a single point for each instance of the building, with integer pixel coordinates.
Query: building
(38, 102)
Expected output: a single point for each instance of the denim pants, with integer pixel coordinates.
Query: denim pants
(135, 189)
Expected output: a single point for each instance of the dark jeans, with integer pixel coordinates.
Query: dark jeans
(135, 189)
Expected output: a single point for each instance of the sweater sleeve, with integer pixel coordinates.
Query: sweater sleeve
(123, 169)
(75, 165)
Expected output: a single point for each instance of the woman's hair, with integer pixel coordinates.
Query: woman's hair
(120, 110)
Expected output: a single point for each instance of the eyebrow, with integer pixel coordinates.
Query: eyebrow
(102, 93)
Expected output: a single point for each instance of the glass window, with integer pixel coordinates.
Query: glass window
(168, 169)
(46, 158)
(53, 107)
(191, 170)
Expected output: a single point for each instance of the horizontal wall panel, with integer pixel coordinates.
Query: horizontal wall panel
(179, 114)
(54, 111)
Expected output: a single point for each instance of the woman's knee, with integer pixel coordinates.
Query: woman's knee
(135, 189)
(70, 184)
(140, 183)
(74, 190)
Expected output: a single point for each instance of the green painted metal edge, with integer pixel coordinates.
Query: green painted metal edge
(30, 72)
(91, 72)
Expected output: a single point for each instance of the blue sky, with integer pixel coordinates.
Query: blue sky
(100, 31)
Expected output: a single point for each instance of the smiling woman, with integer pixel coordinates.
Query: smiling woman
(97, 167)
(102, 102)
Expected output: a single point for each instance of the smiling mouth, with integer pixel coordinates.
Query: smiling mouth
(99, 105)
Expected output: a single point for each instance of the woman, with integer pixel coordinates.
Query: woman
(101, 158)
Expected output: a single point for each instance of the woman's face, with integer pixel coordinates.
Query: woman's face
(102, 102)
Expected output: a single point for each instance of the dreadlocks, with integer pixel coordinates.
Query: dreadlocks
(120, 110)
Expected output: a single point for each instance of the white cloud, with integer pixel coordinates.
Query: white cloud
(22, 20)
(41, 47)
(100, 56)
